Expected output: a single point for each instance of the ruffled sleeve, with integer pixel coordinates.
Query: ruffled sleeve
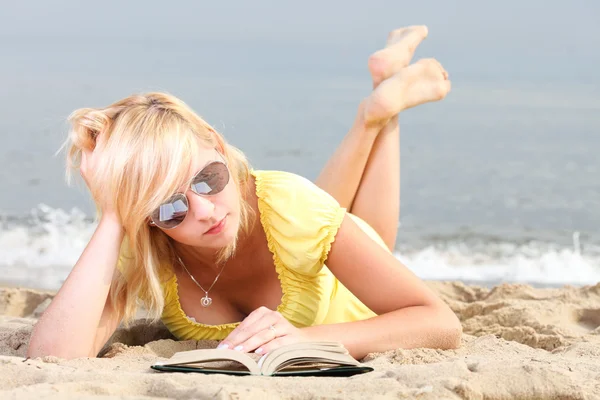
(300, 220)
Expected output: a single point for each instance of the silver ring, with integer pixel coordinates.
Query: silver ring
(271, 327)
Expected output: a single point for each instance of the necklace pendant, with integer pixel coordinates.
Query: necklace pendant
(206, 301)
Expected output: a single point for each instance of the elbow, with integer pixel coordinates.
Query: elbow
(45, 347)
(450, 330)
(452, 337)
(39, 348)
(35, 349)
(38, 351)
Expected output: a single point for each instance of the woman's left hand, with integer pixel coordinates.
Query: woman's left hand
(262, 331)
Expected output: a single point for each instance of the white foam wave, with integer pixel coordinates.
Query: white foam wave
(40, 250)
(533, 262)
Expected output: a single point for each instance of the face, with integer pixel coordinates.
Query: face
(212, 220)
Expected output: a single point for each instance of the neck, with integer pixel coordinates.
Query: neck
(196, 258)
(201, 258)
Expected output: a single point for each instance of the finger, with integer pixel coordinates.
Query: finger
(276, 343)
(256, 321)
(257, 341)
(249, 321)
(238, 335)
(259, 329)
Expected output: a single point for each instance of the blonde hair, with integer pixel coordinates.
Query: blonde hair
(149, 141)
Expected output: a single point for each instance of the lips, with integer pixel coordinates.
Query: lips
(216, 228)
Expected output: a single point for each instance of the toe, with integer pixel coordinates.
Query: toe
(440, 90)
(446, 86)
(414, 33)
(432, 68)
(395, 35)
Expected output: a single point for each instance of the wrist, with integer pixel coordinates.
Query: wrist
(111, 218)
(310, 334)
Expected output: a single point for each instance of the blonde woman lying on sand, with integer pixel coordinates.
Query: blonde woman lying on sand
(256, 259)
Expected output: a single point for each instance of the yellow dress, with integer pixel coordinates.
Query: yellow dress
(300, 221)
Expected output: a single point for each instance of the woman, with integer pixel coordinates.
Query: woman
(256, 259)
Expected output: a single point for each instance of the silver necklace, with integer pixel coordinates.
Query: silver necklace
(206, 301)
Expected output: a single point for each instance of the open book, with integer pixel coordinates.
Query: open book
(309, 358)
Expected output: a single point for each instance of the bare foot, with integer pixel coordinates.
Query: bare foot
(422, 82)
(400, 48)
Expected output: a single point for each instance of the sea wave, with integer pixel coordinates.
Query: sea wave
(534, 262)
(39, 249)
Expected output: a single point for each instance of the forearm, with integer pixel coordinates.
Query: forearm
(68, 327)
(410, 327)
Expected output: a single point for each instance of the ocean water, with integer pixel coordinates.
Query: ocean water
(499, 181)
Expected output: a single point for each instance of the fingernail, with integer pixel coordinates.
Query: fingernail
(239, 348)
(259, 350)
(223, 346)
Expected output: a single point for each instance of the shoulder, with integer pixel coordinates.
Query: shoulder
(282, 183)
(295, 199)
(300, 219)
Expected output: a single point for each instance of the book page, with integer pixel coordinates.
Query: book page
(200, 358)
(326, 346)
(302, 353)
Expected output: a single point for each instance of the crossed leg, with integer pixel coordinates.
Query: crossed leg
(363, 174)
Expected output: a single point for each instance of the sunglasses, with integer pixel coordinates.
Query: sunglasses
(211, 180)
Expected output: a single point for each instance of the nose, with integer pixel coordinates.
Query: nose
(200, 207)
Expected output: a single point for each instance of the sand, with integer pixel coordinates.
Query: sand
(519, 342)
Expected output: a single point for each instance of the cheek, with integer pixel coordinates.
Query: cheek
(231, 199)
(232, 202)
(177, 234)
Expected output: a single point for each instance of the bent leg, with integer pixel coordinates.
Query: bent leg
(343, 172)
(364, 172)
(377, 200)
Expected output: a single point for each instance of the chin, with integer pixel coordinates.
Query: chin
(222, 241)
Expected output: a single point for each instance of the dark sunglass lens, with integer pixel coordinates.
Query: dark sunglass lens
(212, 179)
(171, 213)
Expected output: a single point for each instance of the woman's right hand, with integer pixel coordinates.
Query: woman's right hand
(81, 318)
(87, 169)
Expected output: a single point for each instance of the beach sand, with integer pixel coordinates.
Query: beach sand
(519, 342)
